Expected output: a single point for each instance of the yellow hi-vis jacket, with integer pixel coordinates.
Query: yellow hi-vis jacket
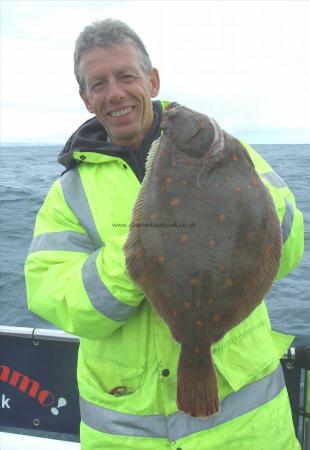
(76, 279)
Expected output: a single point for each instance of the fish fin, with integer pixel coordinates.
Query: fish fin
(151, 155)
(134, 235)
(133, 250)
(197, 393)
(134, 247)
(263, 278)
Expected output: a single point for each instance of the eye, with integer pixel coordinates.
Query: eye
(127, 77)
(97, 85)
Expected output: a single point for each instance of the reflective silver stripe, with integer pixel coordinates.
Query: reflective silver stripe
(113, 422)
(68, 241)
(287, 221)
(99, 295)
(179, 425)
(75, 196)
(274, 179)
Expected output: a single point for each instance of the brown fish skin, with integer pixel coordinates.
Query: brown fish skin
(204, 279)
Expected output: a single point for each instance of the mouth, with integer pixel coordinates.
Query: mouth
(121, 112)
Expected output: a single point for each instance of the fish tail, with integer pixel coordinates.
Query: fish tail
(197, 393)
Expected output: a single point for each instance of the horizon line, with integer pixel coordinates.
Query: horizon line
(58, 144)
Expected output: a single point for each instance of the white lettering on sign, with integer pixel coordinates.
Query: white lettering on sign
(5, 402)
(61, 403)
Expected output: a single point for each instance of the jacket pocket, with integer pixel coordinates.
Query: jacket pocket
(250, 356)
(107, 379)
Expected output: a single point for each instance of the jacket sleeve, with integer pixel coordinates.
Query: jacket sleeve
(290, 216)
(80, 289)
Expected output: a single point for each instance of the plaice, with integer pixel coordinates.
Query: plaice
(205, 245)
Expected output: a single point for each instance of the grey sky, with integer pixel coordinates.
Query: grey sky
(245, 63)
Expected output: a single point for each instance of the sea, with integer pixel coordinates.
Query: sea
(28, 171)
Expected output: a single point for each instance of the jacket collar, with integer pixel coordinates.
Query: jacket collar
(91, 136)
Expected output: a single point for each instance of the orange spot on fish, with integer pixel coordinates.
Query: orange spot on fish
(216, 317)
(211, 243)
(229, 282)
(222, 217)
(199, 323)
(194, 281)
(201, 124)
(269, 249)
(221, 267)
(174, 202)
(254, 181)
(161, 259)
(234, 157)
(175, 312)
(249, 236)
(196, 350)
(237, 189)
(253, 283)
(184, 238)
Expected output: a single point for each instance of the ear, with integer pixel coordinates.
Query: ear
(87, 102)
(155, 82)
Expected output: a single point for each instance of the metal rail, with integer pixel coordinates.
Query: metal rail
(38, 333)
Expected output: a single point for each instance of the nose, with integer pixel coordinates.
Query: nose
(114, 91)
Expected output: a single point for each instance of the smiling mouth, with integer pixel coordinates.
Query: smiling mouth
(121, 112)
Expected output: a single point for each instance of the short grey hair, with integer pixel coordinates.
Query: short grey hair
(106, 33)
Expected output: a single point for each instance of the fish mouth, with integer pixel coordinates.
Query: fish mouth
(169, 114)
(121, 112)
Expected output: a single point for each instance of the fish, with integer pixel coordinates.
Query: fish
(204, 244)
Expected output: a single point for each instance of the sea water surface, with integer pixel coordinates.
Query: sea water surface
(26, 174)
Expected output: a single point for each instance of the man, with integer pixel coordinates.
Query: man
(77, 279)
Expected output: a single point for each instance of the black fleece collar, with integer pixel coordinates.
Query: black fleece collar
(91, 136)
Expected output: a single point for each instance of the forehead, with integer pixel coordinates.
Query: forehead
(109, 58)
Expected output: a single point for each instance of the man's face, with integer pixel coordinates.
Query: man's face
(119, 92)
